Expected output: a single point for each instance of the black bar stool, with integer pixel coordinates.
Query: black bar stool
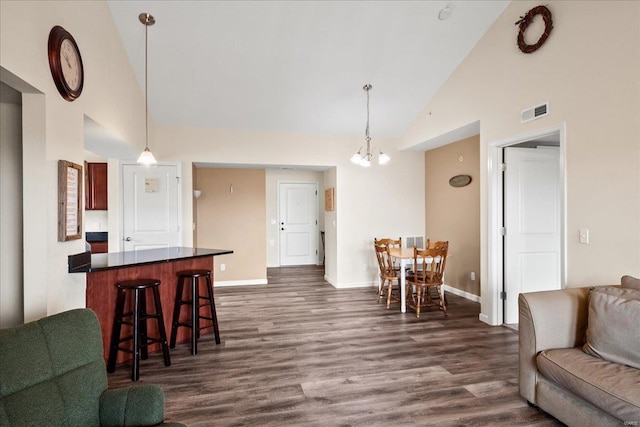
(138, 322)
(195, 303)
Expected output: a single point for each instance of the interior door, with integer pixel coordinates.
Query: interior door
(298, 223)
(532, 223)
(150, 207)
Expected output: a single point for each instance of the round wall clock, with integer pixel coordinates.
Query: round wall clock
(65, 63)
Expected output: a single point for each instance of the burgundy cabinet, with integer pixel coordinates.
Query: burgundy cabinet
(96, 186)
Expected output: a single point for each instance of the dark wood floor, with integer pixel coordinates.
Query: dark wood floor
(300, 352)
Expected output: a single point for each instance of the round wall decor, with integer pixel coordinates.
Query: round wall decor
(524, 23)
(460, 181)
(65, 63)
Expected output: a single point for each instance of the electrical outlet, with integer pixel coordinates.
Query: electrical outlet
(473, 275)
(365, 267)
(223, 267)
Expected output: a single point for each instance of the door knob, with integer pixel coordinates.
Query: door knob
(128, 239)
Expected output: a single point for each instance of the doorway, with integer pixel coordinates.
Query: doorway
(298, 223)
(515, 210)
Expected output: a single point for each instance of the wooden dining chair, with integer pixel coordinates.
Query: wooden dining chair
(387, 274)
(392, 243)
(428, 266)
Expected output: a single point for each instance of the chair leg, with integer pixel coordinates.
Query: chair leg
(419, 301)
(389, 290)
(135, 369)
(144, 342)
(177, 305)
(161, 329)
(115, 332)
(195, 315)
(212, 306)
(443, 302)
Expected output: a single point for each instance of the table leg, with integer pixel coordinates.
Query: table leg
(403, 285)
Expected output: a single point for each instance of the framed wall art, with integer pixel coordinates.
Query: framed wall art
(69, 201)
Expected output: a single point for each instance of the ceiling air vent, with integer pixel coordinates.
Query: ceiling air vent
(534, 112)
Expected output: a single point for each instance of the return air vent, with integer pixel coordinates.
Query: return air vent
(534, 112)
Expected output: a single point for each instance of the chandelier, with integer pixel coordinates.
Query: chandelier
(363, 158)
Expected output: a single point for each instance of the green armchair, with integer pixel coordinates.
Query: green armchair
(52, 373)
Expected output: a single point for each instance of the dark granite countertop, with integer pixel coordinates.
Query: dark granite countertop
(87, 262)
(96, 236)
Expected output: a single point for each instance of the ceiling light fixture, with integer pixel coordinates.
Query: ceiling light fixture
(146, 157)
(364, 158)
(445, 13)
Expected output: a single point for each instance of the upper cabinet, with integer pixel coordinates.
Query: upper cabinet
(96, 186)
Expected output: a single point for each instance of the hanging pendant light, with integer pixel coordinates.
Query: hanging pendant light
(364, 158)
(146, 157)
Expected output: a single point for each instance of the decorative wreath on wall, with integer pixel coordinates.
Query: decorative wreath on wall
(524, 23)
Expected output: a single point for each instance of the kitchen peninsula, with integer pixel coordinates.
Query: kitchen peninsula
(105, 270)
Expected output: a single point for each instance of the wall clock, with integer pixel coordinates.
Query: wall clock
(65, 63)
(524, 23)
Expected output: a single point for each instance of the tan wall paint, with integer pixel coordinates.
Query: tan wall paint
(589, 71)
(452, 213)
(233, 220)
(53, 129)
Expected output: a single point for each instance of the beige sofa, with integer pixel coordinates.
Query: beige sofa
(556, 372)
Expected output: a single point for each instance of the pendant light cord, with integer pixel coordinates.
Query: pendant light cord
(146, 83)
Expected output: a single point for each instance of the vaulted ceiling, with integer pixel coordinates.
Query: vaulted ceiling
(298, 66)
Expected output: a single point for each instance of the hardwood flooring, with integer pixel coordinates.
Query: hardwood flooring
(299, 352)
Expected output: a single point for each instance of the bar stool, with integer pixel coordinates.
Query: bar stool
(195, 303)
(138, 322)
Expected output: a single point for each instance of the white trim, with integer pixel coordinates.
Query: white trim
(492, 309)
(461, 293)
(225, 283)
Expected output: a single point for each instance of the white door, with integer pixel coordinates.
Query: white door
(532, 223)
(150, 207)
(298, 223)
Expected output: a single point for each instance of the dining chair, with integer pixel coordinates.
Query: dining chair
(392, 243)
(428, 266)
(387, 274)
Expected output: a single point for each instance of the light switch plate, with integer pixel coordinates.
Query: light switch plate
(584, 236)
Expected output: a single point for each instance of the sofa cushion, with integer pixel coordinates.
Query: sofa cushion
(630, 282)
(612, 329)
(609, 386)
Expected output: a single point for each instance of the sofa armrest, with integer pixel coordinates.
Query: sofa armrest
(547, 320)
(139, 405)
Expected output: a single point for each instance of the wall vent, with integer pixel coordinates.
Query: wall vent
(534, 112)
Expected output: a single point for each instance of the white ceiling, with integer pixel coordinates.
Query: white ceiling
(298, 66)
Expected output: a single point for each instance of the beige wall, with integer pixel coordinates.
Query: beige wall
(357, 219)
(233, 219)
(53, 128)
(589, 71)
(453, 213)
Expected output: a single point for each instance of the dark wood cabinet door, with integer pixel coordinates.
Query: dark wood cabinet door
(96, 187)
(99, 247)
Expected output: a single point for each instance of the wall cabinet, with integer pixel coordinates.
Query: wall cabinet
(96, 186)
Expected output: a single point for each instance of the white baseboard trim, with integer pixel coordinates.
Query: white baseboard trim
(224, 283)
(484, 318)
(461, 293)
(351, 285)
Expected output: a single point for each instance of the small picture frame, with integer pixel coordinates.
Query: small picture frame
(328, 199)
(69, 201)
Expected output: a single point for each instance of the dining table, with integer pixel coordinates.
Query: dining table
(405, 258)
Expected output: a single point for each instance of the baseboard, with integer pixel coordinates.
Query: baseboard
(351, 285)
(484, 318)
(461, 293)
(224, 283)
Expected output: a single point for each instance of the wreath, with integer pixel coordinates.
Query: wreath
(524, 23)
